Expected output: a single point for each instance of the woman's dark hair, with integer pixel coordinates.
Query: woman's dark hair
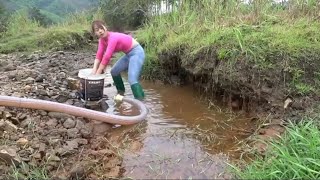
(97, 23)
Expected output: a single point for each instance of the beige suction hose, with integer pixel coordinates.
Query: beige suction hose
(78, 111)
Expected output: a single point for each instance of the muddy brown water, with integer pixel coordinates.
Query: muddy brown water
(180, 138)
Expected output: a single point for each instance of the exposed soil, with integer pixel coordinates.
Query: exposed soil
(246, 87)
(53, 144)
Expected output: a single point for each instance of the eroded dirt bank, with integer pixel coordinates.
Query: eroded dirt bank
(49, 144)
(244, 82)
(274, 90)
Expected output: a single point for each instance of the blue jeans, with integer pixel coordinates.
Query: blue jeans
(133, 62)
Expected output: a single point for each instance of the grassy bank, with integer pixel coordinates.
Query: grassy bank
(26, 35)
(256, 46)
(295, 156)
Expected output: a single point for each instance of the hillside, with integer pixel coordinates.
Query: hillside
(56, 10)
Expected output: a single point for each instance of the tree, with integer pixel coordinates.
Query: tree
(35, 14)
(124, 14)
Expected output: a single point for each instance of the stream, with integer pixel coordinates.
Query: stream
(181, 137)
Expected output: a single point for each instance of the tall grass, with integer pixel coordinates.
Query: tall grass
(295, 156)
(19, 23)
(263, 33)
(211, 15)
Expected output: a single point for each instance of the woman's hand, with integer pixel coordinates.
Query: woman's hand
(101, 69)
(95, 66)
(93, 72)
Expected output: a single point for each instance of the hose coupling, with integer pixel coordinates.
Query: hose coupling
(118, 99)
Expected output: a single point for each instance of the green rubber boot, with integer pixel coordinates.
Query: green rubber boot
(137, 91)
(119, 84)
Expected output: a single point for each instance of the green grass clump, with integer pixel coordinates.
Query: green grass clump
(44, 39)
(60, 39)
(26, 43)
(19, 23)
(26, 171)
(295, 156)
